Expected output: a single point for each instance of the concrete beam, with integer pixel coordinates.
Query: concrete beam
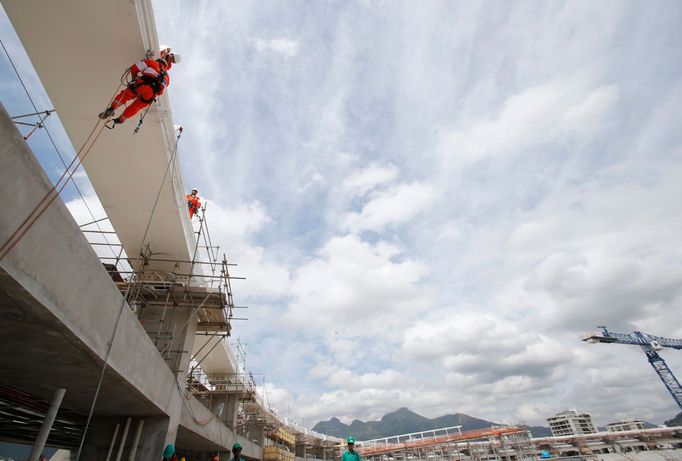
(58, 308)
(198, 423)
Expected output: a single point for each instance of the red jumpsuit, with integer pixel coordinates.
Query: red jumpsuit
(193, 204)
(150, 79)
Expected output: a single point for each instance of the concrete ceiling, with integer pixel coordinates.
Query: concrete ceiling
(53, 357)
(80, 49)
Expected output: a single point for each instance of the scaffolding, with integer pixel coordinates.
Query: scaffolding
(161, 290)
(167, 295)
(494, 444)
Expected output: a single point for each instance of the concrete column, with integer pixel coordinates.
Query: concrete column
(136, 440)
(47, 424)
(173, 331)
(230, 411)
(113, 442)
(157, 433)
(102, 439)
(122, 444)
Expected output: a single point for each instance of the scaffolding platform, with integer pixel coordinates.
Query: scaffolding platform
(213, 304)
(223, 384)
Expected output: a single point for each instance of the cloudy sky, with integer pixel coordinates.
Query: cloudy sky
(433, 201)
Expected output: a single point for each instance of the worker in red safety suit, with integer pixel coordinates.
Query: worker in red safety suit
(150, 79)
(193, 203)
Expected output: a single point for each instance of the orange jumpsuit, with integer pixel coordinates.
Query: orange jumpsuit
(193, 204)
(150, 80)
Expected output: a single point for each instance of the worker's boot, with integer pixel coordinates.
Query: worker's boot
(107, 113)
(118, 121)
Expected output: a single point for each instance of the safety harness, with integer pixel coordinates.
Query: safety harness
(156, 84)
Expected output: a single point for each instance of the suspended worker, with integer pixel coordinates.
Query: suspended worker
(193, 202)
(350, 454)
(150, 79)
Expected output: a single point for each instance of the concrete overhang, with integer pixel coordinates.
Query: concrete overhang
(80, 49)
(198, 426)
(215, 354)
(59, 307)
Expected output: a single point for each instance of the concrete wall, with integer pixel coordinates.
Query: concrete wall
(59, 310)
(57, 267)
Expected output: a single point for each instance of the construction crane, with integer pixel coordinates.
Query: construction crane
(650, 344)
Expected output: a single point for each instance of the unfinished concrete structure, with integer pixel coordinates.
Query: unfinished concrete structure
(665, 440)
(450, 443)
(130, 318)
(515, 443)
(628, 424)
(571, 423)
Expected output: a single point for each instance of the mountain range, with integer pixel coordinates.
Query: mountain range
(405, 421)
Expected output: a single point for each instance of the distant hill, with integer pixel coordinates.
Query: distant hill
(676, 421)
(404, 421)
(540, 431)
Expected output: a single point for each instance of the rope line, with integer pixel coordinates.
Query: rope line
(19, 233)
(53, 193)
(48, 198)
(124, 299)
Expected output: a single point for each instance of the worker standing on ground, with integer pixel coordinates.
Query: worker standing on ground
(169, 453)
(350, 454)
(236, 452)
(193, 202)
(150, 79)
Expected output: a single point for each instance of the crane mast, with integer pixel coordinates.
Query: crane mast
(650, 344)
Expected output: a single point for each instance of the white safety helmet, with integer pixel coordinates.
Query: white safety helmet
(175, 58)
(194, 189)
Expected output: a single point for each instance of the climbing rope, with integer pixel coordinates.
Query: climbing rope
(110, 346)
(9, 244)
(52, 194)
(144, 114)
(56, 190)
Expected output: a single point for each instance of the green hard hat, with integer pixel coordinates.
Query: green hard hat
(169, 450)
(236, 446)
(350, 439)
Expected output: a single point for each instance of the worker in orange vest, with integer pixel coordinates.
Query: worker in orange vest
(150, 79)
(193, 202)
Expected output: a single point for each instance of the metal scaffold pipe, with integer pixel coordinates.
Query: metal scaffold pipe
(47, 425)
(123, 439)
(136, 440)
(113, 441)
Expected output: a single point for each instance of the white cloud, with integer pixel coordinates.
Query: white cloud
(519, 174)
(488, 347)
(393, 206)
(554, 112)
(365, 180)
(234, 228)
(284, 46)
(237, 222)
(353, 287)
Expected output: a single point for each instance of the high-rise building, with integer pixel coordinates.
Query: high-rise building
(628, 424)
(571, 423)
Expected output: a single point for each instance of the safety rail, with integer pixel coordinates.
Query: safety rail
(200, 382)
(374, 449)
(155, 286)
